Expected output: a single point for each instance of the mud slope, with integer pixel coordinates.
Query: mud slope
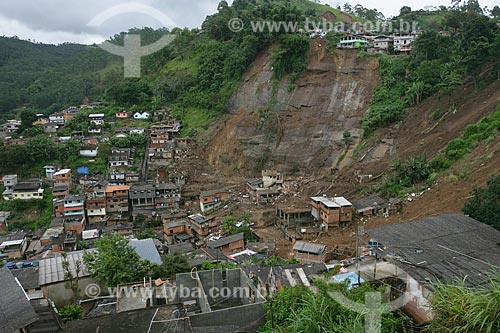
(298, 127)
(422, 131)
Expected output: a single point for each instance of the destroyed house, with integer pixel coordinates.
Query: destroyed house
(369, 206)
(308, 253)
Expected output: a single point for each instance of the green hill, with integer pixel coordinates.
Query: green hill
(48, 77)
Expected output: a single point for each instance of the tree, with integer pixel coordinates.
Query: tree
(115, 262)
(172, 264)
(405, 10)
(484, 205)
(346, 136)
(71, 312)
(28, 117)
(72, 281)
(495, 12)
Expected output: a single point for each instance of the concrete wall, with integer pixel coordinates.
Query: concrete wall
(62, 296)
(246, 317)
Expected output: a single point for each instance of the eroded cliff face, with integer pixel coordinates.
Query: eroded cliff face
(295, 127)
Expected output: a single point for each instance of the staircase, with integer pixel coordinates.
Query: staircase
(47, 320)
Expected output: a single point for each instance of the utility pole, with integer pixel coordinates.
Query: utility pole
(358, 234)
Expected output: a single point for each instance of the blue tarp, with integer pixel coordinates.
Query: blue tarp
(83, 170)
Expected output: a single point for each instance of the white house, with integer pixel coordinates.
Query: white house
(141, 115)
(49, 171)
(88, 151)
(57, 117)
(97, 118)
(95, 130)
(402, 43)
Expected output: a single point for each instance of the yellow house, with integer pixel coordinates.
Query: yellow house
(28, 190)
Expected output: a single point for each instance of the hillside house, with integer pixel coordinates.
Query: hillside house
(50, 170)
(122, 115)
(74, 206)
(332, 212)
(119, 159)
(353, 41)
(308, 253)
(229, 244)
(52, 127)
(96, 207)
(13, 245)
(178, 231)
(142, 196)
(94, 130)
(70, 113)
(28, 190)
(383, 43)
(89, 150)
(295, 222)
(212, 199)
(403, 43)
(141, 115)
(9, 181)
(91, 140)
(117, 199)
(73, 225)
(200, 225)
(59, 191)
(57, 117)
(63, 176)
(96, 119)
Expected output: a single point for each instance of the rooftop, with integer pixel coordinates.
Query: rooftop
(208, 193)
(370, 202)
(309, 247)
(226, 240)
(112, 188)
(28, 277)
(52, 271)
(62, 172)
(15, 309)
(146, 249)
(445, 247)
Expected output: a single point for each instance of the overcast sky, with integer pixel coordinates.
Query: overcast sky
(58, 21)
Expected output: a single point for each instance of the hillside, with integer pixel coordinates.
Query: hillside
(49, 77)
(296, 126)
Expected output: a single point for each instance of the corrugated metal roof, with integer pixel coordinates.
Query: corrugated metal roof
(226, 240)
(342, 201)
(16, 311)
(146, 250)
(52, 271)
(442, 247)
(309, 247)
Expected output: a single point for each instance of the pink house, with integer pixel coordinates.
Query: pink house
(122, 115)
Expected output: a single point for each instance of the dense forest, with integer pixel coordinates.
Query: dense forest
(48, 78)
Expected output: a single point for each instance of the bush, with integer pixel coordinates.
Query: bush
(71, 312)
